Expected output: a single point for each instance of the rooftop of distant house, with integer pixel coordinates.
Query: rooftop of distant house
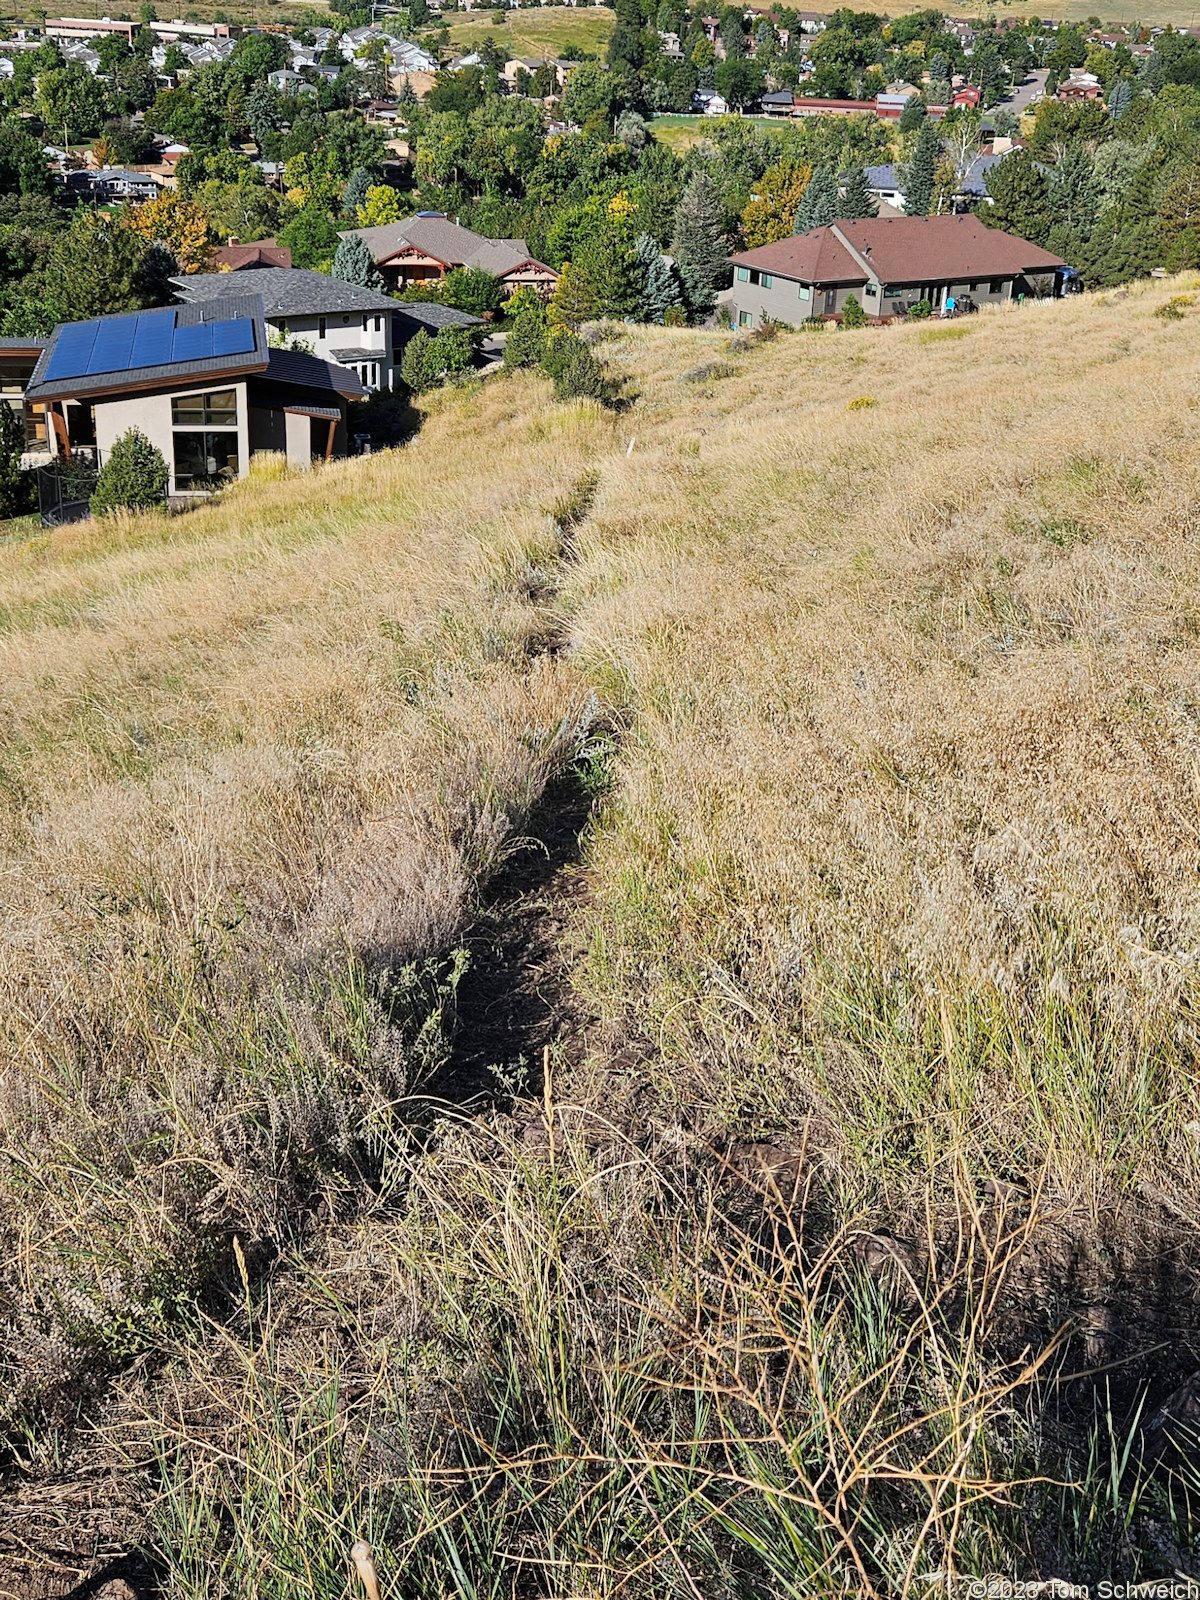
(435, 235)
(901, 250)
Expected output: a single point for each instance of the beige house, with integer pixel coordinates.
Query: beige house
(200, 381)
(426, 247)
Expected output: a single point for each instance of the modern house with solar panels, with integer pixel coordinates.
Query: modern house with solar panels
(200, 382)
(343, 322)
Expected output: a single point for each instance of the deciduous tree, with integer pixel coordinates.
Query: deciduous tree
(181, 225)
(771, 213)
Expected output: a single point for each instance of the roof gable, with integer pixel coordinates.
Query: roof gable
(817, 256)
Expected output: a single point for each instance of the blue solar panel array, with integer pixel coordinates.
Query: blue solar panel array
(149, 339)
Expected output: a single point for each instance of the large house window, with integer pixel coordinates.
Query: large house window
(766, 280)
(216, 410)
(743, 274)
(206, 440)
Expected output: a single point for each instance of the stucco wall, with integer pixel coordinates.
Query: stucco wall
(152, 414)
(299, 440)
(344, 331)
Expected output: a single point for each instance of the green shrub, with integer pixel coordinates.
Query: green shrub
(580, 378)
(526, 340)
(675, 317)
(428, 361)
(16, 487)
(853, 315)
(135, 475)
(921, 309)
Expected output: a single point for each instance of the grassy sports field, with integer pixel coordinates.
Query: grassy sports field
(550, 32)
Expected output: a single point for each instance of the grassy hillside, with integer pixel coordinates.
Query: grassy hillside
(548, 32)
(805, 756)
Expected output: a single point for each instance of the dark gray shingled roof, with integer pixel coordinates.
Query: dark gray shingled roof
(300, 370)
(285, 291)
(431, 315)
(23, 344)
(100, 383)
(296, 292)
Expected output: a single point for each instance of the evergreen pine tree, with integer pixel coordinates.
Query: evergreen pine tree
(414, 366)
(857, 201)
(575, 300)
(262, 114)
(354, 195)
(134, 475)
(918, 186)
(659, 287)
(1120, 97)
(1074, 193)
(353, 263)
(609, 263)
(1019, 194)
(914, 115)
(819, 203)
(853, 315)
(699, 246)
(526, 339)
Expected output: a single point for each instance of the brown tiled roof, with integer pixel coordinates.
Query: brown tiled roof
(813, 257)
(903, 250)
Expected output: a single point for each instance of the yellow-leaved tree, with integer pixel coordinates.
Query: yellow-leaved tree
(180, 224)
(382, 206)
(771, 214)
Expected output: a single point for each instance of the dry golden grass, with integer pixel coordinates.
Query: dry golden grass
(909, 797)
(899, 861)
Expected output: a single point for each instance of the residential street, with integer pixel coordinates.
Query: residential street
(1022, 96)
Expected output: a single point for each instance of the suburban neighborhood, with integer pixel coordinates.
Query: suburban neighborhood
(404, 212)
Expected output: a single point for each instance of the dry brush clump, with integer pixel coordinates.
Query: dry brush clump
(603, 1366)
